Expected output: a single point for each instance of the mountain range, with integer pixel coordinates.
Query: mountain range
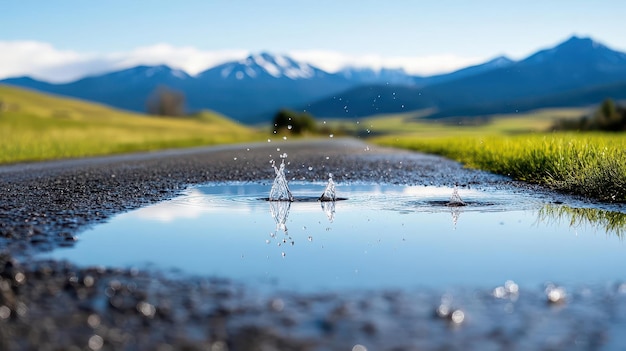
(576, 72)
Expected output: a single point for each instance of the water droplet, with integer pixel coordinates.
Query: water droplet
(235, 158)
(277, 304)
(20, 277)
(310, 238)
(277, 149)
(511, 287)
(331, 136)
(499, 292)
(555, 294)
(95, 342)
(147, 309)
(457, 317)
(93, 320)
(285, 138)
(269, 140)
(310, 168)
(5, 312)
(283, 254)
(289, 126)
(359, 347)
(267, 241)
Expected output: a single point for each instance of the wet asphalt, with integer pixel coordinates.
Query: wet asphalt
(52, 305)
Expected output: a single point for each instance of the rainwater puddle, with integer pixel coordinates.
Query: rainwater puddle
(374, 237)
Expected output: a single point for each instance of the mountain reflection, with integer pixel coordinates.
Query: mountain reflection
(609, 221)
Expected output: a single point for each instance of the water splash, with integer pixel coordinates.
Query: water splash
(280, 212)
(329, 193)
(455, 199)
(280, 189)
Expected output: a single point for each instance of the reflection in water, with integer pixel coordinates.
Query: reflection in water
(329, 209)
(456, 213)
(380, 240)
(608, 221)
(280, 212)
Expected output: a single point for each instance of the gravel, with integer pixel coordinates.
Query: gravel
(52, 305)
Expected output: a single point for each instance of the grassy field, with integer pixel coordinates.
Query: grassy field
(589, 164)
(36, 126)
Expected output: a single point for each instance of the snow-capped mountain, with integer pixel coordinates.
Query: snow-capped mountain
(252, 89)
(395, 76)
(263, 66)
(559, 76)
(577, 50)
(142, 73)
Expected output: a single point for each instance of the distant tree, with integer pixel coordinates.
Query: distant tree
(607, 117)
(164, 101)
(294, 122)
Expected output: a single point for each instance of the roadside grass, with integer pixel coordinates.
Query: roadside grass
(588, 164)
(35, 126)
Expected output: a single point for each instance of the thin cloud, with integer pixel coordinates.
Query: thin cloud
(45, 62)
(333, 61)
(187, 58)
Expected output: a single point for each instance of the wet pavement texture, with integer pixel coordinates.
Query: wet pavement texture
(51, 305)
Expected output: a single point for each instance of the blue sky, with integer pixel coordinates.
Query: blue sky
(48, 38)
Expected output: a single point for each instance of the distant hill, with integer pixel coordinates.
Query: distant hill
(252, 89)
(566, 71)
(248, 90)
(37, 126)
(127, 89)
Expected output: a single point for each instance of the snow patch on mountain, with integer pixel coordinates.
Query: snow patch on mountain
(264, 64)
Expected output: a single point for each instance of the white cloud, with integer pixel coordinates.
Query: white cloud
(333, 61)
(36, 59)
(187, 58)
(43, 61)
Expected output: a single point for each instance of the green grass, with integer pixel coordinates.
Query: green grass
(592, 165)
(588, 164)
(36, 126)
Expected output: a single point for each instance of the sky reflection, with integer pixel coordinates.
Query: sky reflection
(382, 236)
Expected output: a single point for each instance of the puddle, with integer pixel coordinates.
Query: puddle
(377, 237)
